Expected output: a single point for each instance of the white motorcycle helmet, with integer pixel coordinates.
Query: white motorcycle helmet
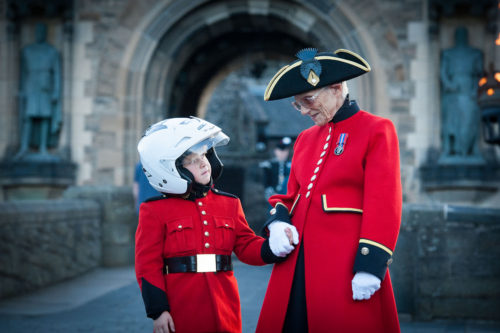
(164, 142)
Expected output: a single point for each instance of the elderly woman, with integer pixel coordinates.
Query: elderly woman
(344, 197)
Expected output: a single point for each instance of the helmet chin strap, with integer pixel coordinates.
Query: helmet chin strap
(215, 163)
(187, 176)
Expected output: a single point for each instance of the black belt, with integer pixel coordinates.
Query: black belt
(200, 263)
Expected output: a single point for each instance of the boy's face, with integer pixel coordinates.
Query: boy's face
(199, 166)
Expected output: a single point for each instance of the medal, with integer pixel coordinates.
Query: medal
(341, 143)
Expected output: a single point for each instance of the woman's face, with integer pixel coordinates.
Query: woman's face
(326, 102)
(199, 166)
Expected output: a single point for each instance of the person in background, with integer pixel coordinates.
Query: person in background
(185, 237)
(141, 189)
(277, 170)
(345, 199)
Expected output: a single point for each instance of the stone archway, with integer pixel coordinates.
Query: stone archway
(177, 47)
(210, 35)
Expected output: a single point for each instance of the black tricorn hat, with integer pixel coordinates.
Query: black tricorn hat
(314, 70)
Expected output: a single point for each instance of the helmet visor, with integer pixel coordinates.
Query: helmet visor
(202, 147)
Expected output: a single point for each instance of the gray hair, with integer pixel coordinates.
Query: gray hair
(345, 90)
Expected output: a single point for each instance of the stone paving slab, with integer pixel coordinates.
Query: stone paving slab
(69, 294)
(108, 301)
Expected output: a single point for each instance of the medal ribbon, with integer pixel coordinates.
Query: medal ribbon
(342, 139)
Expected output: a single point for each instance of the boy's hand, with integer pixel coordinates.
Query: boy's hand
(164, 323)
(289, 234)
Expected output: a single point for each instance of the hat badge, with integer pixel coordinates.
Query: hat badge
(310, 69)
(313, 79)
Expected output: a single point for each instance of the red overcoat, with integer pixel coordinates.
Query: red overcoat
(346, 206)
(173, 227)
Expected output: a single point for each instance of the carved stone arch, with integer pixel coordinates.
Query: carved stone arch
(177, 47)
(280, 29)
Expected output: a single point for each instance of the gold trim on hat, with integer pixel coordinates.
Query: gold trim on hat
(287, 68)
(277, 77)
(355, 64)
(356, 56)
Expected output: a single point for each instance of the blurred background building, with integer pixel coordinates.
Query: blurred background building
(101, 71)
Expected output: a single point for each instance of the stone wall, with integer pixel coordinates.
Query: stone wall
(446, 262)
(43, 242)
(118, 220)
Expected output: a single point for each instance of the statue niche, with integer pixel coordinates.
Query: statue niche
(33, 172)
(39, 97)
(461, 68)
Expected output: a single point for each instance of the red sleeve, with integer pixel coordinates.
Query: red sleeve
(382, 201)
(248, 245)
(149, 239)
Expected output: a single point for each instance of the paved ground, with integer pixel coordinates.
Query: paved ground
(108, 301)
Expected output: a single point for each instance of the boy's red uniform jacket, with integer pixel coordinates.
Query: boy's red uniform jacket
(174, 227)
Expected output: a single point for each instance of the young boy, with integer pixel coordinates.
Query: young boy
(185, 238)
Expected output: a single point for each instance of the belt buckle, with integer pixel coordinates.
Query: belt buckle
(205, 263)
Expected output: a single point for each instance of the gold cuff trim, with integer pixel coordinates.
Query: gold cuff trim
(294, 203)
(339, 209)
(282, 204)
(383, 247)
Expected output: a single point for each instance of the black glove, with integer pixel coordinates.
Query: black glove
(278, 213)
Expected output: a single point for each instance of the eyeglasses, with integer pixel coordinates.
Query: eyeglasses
(307, 101)
(194, 161)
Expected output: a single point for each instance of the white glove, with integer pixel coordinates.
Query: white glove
(364, 285)
(278, 239)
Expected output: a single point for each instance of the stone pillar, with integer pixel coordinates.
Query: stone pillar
(67, 87)
(9, 83)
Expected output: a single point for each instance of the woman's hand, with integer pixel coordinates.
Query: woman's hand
(164, 323)
(364, 285)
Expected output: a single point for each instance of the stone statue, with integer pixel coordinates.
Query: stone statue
(461, 69)
(39, 95)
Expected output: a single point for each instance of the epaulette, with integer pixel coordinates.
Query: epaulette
(158, 197)
(216, 191)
